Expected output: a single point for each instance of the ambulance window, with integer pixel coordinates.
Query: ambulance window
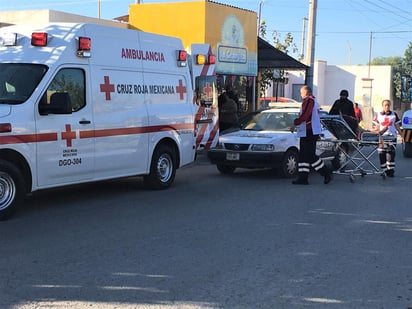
(72, 82)
(19, 80)
(206, 93)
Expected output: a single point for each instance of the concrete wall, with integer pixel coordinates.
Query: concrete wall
(44, 16)
(329, 80)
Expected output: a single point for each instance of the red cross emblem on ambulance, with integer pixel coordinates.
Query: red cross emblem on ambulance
(68, 135)
(181, 90)
(107, 88)
(207, 90)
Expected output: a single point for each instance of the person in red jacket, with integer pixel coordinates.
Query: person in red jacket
(308, 129)
(358, 112)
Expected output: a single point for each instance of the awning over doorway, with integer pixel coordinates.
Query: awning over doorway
(270, 57)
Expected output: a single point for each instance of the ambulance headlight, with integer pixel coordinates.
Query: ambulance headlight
(263, 147)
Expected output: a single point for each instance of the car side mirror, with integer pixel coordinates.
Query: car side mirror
(60, 103)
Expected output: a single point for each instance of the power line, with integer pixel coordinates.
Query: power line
(390, 5)
(346, 32)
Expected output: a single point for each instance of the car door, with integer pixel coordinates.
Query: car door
(65, 151)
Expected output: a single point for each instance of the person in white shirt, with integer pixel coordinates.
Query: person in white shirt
(387, 125)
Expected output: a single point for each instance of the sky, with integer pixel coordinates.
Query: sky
(348, 32)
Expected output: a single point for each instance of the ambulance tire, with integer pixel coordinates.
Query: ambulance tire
(407, 149)
(162, 168)
(11, 189)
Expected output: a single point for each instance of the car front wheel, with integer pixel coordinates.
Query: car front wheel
(225, 169)
(290, 163)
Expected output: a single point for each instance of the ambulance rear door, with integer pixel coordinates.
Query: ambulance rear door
(202, 63)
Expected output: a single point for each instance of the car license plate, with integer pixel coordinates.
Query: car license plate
(232, 156)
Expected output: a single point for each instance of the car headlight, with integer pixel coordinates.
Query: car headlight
(263, 147)
(219, 145)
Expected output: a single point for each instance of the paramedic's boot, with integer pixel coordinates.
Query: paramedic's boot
(302, 179)
(326, 173)
(390, 173)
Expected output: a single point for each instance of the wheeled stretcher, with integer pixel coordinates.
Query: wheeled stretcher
(357, 148)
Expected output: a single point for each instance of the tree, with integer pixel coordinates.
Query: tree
(402, 74)
(406, 75)
(267, 76)
(287, 44)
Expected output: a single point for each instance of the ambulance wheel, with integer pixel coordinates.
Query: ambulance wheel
(162, 168)
(11, 189)
(407, 149)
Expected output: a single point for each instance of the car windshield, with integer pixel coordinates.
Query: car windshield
(18, 81)
(271, 121)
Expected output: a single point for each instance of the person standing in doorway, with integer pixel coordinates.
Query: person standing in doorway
(227, 112)
(308, 129)
(232, 95)
(387, 125)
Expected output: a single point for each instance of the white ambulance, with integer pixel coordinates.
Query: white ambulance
(407, 133)
(86, 102)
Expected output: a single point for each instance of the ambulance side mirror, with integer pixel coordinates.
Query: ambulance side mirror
(60, 103)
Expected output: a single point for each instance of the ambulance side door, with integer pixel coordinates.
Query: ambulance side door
(65, 120)
(120, 122)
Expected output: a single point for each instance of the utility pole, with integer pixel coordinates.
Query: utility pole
(310, 52)
(302, 44)
(259, 16)
(350, 53)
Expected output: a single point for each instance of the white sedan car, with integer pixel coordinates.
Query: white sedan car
(264, 140)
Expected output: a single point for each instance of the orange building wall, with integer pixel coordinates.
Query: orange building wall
(230, 31)
(171, 19)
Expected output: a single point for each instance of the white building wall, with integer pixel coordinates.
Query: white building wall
(320, 82)
(329, 80)
(381, 84)
(367, 85)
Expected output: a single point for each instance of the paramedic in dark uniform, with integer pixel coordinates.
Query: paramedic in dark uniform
(308, 129)
(387, 125)
(344, 107)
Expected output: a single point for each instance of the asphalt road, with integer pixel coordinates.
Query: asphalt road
(248, 240)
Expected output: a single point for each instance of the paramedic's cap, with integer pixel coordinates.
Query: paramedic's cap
(344, 93)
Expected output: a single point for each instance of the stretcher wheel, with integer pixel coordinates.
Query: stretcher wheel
(352, 178)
